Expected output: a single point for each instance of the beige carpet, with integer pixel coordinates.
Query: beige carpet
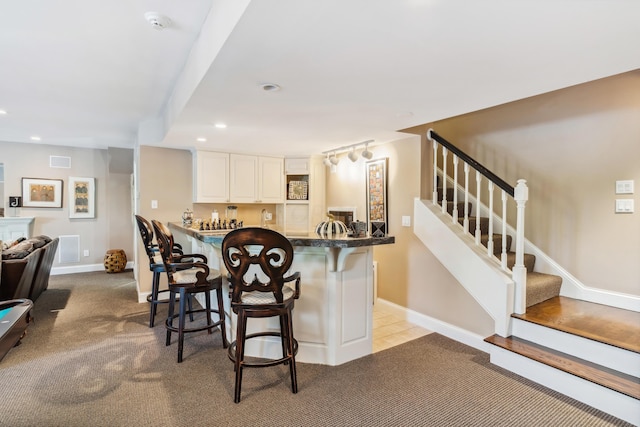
(91, 360)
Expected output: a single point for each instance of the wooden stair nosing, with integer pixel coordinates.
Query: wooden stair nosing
(606, 377)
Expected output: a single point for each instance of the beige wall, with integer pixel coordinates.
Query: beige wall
(113, 201)
(408, 274)
(571, 146)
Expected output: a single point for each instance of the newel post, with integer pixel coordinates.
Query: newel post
(519, 272)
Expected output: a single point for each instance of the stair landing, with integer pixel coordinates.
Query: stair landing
(602, 323)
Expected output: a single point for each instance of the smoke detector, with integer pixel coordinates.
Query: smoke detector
(157, 21)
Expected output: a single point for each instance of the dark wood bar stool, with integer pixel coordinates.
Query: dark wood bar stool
(187, 279)
(156, 266)
(264, 257)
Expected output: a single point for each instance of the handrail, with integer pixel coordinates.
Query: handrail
(471, 161)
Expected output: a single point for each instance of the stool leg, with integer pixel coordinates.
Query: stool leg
(181, 320)
(172, 302)
(283, 336)
(223, 323)
(207, 304)
(190, 301)
(242, 329)
(292, 364)
(155, 287)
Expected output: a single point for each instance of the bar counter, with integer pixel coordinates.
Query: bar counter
(333, 318)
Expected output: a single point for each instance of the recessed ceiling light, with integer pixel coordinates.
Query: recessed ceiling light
(35, 138)
(220, 125)
(3, 113)
(270, 87)
(201, 139)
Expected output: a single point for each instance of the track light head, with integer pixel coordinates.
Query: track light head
(334, 160)
(352, 155)
(366, 153)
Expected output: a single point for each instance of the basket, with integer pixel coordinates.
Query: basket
(115, 261)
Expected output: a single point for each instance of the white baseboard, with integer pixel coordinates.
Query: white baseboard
(84, 268)
(450, 331)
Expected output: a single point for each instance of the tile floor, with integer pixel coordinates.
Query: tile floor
(390, 330)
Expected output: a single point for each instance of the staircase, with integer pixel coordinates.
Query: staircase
(585, 350)
(540, 286)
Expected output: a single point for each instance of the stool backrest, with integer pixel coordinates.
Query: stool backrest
(257, 260)
(146, 233)
(164, 237)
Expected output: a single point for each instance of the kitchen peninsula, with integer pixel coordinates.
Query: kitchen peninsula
(333, 317)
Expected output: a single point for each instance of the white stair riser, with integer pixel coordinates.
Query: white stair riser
(596, 352)
(617, 404)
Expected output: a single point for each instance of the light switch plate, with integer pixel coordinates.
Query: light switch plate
(154, 204)
(406, 221)
(624, 187)
(624, 205)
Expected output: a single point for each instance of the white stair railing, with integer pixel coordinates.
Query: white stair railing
(518, 196)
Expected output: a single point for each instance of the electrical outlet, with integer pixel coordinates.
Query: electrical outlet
(406, 221)
(268, 216)
(154, 204)
(86, 252)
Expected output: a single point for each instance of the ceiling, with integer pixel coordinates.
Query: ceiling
(95, 73)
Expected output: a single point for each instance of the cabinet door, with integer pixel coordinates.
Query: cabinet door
(270, 180)
(243, 178)
(211, 177)
(296, 166)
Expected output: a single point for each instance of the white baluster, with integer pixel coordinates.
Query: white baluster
(435, 171)
(444, 179)
(478, 181)
(454, 216)
(490, 237)
(519, 272)
(465, 223)
(503, 255)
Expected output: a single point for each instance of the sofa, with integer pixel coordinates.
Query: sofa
(26, 267)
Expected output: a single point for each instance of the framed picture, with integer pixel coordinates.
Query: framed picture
(377, 213)
(82, 197)
(41, 193)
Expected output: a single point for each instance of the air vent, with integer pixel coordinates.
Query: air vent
(69, 249)
(59, 162)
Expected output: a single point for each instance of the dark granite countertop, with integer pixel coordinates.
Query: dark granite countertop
(215, 237)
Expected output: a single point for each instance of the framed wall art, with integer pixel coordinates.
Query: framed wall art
(377, 213)
(41, 193)
(82, 197)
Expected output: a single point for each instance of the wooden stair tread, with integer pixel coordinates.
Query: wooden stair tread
(602, 323)
(606, 377)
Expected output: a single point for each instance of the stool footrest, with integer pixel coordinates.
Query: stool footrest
(158, 301)
(231, 352)
(193, 329)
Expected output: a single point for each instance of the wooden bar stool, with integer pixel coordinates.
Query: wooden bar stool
(156, 266)
(187, 279)
(257, 260)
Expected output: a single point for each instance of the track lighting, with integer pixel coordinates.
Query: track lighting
(332, 159)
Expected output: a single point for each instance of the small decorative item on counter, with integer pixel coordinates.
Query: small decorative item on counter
(358, 229)
(187, 217)
(331, 227)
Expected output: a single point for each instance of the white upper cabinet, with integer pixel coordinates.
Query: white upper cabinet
(296, 166)
(256, 179)
(237, 178)
(242, 178)
(271, 180)
(210, 177)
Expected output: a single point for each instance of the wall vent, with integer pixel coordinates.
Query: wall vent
(69, 249)
(59, 162)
